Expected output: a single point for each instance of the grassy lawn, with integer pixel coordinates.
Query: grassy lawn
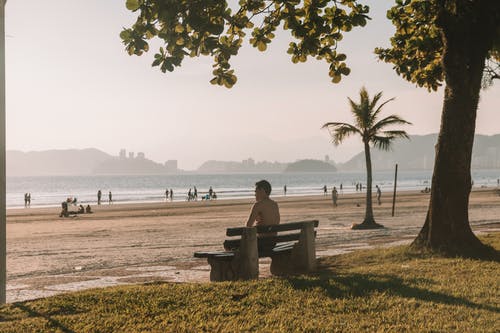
(381, 290)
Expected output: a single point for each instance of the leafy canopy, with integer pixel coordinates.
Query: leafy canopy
(417, 45)
(367, 124)
(213, 28)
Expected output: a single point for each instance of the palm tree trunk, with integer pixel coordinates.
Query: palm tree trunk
(369, 221)
(447, 226)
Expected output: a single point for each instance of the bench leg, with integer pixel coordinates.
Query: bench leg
(280, 264)
(221, 270)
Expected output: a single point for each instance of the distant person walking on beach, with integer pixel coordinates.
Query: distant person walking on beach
(341, 188)
(325, 190)
(284, 190)
(110, 197)
(25, 200)
(379, 194)
(171, 195)
(195, 195)
(335, 196)
(99, 195)
(166, 194)
(210, 192)
(29, 199)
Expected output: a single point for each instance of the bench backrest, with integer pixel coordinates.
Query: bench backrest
(279, 238)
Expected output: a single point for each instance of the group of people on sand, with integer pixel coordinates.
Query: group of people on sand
(335, 194)
(192, 195)
(65, 212)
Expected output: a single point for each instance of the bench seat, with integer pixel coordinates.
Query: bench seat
(290, 253)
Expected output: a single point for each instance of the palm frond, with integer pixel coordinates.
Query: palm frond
(359, 112)
(382, 142)
(396, 134)
(356, 110)
(379, 109)
(375, 100)
(388, 121)
(340, 131)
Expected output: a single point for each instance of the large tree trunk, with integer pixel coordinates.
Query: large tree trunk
(447, 226)
(369, 221)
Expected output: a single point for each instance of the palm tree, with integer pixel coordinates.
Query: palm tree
(372, 132)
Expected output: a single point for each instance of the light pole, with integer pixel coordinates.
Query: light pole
(3, 196)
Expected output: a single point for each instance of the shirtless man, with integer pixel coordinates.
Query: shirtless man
(264, 212)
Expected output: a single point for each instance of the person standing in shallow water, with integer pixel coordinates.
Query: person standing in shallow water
(110, 197)
(335, 196)
(99, 195)
(171, 195)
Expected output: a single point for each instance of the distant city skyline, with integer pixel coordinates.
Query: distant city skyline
(414, 154)
(70, 84)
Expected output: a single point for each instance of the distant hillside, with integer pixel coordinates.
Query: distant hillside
(248, 165)
(310, 166)
(418, 153)
(54, 162)
(129, 166)
(72, 162)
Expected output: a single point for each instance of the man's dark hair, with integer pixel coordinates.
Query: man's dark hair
(264, 185)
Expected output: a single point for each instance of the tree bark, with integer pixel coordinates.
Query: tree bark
(466, 44)
(369, 221)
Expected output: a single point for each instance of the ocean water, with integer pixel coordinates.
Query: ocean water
(51, 191)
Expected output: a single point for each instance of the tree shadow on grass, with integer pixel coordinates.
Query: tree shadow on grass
(359, 285)
(51, 321)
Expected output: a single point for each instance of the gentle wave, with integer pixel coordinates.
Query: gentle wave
(51, 191)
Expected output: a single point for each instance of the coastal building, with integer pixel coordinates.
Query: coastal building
(141, 155)
(122, 154)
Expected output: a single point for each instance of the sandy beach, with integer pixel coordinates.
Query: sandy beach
(136, 243)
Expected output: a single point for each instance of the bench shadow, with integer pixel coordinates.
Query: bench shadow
(52, 322)
(359, 285)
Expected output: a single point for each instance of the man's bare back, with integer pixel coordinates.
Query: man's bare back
(264, 212)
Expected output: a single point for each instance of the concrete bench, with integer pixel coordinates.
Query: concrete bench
(291, 247)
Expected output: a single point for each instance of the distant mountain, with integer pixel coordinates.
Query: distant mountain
(310, 166)
(248, 165)
(72, 162)
(129, 166)
(54, 162)
(418, 154)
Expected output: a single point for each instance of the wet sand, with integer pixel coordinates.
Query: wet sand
(136, 243)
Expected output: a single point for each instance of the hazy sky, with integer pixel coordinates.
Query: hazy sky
(70, 84)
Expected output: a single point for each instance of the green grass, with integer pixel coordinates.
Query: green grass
(382, 290)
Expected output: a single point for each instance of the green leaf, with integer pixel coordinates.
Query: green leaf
(133, 5)
(336, 79)
(179, 28)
